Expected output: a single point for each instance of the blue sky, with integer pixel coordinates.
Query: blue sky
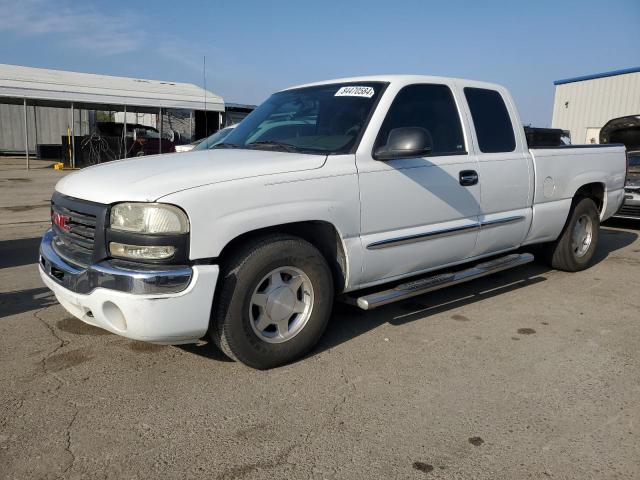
(256, 47)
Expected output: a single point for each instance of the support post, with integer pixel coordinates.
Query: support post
(35, 130)
(124, 131)
(26, 133)
(160, 129)
(191, 139)
(73, 136)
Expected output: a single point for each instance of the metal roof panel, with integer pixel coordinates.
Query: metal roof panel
(58, 85)
(598, 75)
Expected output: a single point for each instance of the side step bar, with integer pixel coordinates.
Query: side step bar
(442, 280)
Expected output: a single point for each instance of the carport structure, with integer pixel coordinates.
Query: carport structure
(90, 100)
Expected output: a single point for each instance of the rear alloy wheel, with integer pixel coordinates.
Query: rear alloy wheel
(582, 236)
(574, 249)
(274, 301)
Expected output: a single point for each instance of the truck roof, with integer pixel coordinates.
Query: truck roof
(404, 79)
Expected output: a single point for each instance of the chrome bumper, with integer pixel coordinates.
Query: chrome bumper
(111, 275)
(631, 204)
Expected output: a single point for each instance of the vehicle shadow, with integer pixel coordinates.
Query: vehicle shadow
(206, 349)
(348, 322)
(622, 223)
(15, 253)
(21, 301)
(610, 240)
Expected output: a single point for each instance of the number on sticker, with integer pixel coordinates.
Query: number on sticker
(355, 91)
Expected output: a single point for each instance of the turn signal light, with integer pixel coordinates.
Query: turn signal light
(141, 252)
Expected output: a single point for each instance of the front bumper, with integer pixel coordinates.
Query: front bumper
(163, 306)
(631, 206)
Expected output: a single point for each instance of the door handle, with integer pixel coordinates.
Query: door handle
(468, 178)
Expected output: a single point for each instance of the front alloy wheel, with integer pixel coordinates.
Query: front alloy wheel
(274, 301)
(281, 304)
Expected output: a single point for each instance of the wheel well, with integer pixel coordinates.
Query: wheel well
(594, 191)
(323, 235)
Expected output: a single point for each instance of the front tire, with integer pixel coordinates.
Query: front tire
(274, 303)
(574, 249)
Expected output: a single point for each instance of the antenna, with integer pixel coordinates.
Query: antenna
(204, 79)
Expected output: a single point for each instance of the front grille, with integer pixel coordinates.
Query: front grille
(82, 228)
(80, 241)
(629, 211)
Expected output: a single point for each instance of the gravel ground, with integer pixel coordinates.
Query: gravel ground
(530, 373)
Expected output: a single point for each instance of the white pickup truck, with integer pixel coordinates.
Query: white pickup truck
(399, 185)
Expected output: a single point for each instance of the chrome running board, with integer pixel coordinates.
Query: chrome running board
(436, 282)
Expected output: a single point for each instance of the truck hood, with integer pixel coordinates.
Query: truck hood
(145, 179)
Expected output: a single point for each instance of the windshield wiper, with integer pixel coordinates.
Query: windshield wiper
(270, 143)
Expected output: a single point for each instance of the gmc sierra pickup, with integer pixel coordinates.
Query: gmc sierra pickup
(399, 185)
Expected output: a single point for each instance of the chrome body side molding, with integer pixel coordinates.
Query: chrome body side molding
(419, 237)
(501, 221)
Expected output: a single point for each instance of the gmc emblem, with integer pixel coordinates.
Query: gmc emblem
(61, 221)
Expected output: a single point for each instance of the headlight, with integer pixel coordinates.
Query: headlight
(152, 218)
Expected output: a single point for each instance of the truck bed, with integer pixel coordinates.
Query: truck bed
(559, 172)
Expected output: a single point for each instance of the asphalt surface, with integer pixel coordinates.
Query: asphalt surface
(530, 373)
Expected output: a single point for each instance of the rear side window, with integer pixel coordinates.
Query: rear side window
(491, 120)
(431, 107)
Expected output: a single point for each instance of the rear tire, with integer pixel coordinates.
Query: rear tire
(274, 303)
(576, 245)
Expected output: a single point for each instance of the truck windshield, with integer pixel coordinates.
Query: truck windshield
(212, 140)
(326, 119)
(634, 162)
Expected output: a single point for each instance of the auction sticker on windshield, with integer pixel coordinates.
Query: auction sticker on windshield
(355, 91)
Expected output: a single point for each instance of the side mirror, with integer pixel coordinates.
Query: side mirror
(405, 142)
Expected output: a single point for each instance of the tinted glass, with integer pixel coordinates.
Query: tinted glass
(213, 140)
(326, 119)
(431, 107)
(491, 120)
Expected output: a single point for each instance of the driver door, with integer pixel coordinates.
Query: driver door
(418, 214)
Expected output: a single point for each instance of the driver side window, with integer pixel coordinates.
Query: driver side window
(431, 107)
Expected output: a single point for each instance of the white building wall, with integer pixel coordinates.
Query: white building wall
(583, 107)
(148, 119)
(51, 122)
